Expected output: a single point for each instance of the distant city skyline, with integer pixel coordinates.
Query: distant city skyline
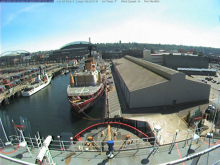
(48, 26)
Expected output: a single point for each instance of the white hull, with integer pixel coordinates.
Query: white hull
(36, 89)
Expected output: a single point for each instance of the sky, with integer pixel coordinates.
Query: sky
(48, 26)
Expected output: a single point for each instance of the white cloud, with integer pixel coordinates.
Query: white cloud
(12, 16)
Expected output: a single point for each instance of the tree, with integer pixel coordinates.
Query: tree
(208, 117)
(194, 52)
(200, 124)
(188, 117)
(216, 117)
(198, 113)
(211, 116)
(190, 121)
(152, 51)
(201, 54)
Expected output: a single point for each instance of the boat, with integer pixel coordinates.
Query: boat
(66, 71)
(86, 87)
(36, 86)
(62, 72)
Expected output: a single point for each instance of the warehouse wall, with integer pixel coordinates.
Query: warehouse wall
(123, 86)
(175, 62)
(181, 90)
(178, 89)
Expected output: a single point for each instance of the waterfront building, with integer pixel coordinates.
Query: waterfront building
(146, 84)
(177, 60)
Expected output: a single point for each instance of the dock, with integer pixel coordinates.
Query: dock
(113, 105)
(16, 91)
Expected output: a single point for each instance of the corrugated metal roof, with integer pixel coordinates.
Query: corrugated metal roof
(135, 76)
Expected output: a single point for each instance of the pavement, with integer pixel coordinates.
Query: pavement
(113, 99)
(168, 117)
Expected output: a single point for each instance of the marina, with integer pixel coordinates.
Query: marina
(109, 82)
(66, 148)
(50, 107)
(9, 94)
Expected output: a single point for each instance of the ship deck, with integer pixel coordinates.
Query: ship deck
(129, 157)
(84, 90)
(140, 151)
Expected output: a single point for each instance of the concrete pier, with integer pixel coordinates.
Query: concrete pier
(113, 104)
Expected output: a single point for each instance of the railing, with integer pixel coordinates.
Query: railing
(119, 146)
(101, 145)
(81, 146)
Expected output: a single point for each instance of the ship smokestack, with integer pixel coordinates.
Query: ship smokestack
(71, 80)
(90, 57)
(88, 65)
(99, 78)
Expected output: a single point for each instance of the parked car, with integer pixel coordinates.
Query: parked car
(6, 80)
(213, 81)
(18, 82)
(17, 75)
(209, 78)
(2, 89)
(9, 85)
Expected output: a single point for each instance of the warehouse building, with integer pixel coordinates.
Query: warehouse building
(177, 60)
(174, 62)
(145, 84)
(196, 71)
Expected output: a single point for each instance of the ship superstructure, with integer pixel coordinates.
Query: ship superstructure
(86, 86)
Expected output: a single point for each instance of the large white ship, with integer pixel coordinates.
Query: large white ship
(39, 84)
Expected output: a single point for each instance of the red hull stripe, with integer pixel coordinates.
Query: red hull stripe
(106, 123)
(83, 106)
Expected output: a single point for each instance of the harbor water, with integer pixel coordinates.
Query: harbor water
(49, 112)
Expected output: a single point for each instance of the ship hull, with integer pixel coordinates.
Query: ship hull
(79, 108)
(35, 90)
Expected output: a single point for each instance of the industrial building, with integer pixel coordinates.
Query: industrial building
(111, 54)
(177, 60)
(145, 84)
(155, 58)
(118, 53)
(196, 71)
